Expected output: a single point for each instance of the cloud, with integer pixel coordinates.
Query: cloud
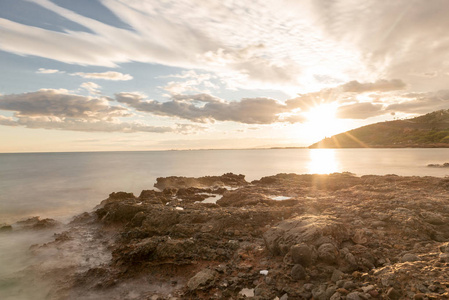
(199, 83)
(58, 109)
(241, 42)
(91, 87)
(48, 71)
(378, 86)
(247, 110)
(56, 103)
(359, 111)
(7, 121)
(110, 75)
(421, 103)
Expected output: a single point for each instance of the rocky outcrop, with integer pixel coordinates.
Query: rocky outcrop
(337, 236)
(228, 179)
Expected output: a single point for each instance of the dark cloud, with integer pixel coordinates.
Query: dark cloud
(57, 109)
(59, 103)
(247, 110)
(359, 111)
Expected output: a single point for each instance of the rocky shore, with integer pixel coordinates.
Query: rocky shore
(286, 236)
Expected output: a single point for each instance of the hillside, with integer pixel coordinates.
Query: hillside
(427, 131)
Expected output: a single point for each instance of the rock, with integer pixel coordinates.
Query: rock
(410, 257)
(359, 237)
(349, 285)
(353, 296)
(443, 257)
(284, 297)
(433, 218)
(38, 223)
(328, 253)
(298, 272)
(330, 291)
(303, 254)
(336, 296)
(202, 279)
(319, 293)
(228, 179)
(4, 228)
(337, 275)
(393, 294)
(368, 288)
(306, 229)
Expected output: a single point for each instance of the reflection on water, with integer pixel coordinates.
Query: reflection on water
(322, 161)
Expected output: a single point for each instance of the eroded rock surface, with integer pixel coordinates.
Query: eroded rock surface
(337, 236)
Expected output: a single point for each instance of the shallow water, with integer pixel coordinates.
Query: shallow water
(63, 184)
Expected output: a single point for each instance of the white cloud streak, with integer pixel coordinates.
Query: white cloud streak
(48, 71)
(110, 75)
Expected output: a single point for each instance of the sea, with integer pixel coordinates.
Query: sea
(61, 185)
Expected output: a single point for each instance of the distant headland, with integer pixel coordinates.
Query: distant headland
(427, 131)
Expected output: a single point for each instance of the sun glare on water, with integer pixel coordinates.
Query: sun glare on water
(322, 161)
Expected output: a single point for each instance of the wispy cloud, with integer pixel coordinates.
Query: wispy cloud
(91, 87)
(110, 75)
(48, 71)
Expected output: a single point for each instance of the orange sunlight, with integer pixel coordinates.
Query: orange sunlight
(322, 121)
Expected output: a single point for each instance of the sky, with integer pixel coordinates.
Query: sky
(116, 75)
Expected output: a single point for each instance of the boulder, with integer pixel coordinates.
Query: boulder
(202, 279)
(309, 229)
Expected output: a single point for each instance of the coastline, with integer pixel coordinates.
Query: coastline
(336, 236)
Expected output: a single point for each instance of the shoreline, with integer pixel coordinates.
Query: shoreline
(336, 236)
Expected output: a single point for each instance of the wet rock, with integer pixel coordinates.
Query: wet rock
(303, 254)
(298, 272)
(4, 228)
(38, 223)
(202, 279)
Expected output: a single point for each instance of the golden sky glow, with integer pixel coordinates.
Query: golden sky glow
(189, 74)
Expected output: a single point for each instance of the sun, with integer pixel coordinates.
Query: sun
(322, 120)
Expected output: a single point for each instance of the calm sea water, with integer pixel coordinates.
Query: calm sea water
(63, 184)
